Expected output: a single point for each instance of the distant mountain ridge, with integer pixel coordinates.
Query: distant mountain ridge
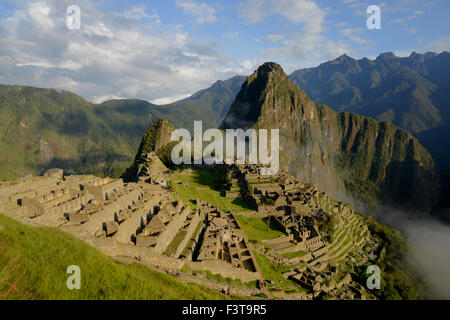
(411, 92)
(373, 160)
(46, 128)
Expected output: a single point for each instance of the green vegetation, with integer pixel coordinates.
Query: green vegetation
(165, 153)
(36, 259)
(156, 136)
(173, 245)
(100, 139)
(10, 179)
(266, 201)
(273, 273)
(203, 185)
(400, 279)
(295, 254)
(258, 229)
(156, 139)
(355, 180)
(44, 128)
(223, 178)
(326, 228)
(169, 186)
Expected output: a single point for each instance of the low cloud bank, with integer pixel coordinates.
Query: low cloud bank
(429, 241)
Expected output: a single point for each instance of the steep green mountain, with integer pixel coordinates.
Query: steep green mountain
(411, 92)
(45, 128)
(336, 151)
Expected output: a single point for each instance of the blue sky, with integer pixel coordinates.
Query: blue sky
(162, 51)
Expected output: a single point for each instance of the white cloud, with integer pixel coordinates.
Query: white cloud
(275, 37)
(203, 12)
(140, 12)
(300, 50)
(305, 12)
(170, 99)
(112, 55)
(414, 15)
(351, 33)
(303, 48)
(439, 45)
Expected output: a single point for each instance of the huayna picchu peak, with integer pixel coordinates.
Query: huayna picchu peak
(372, 160)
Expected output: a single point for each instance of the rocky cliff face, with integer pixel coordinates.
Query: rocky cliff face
(338, 152)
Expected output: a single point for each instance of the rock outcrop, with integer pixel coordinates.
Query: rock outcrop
(154, 142)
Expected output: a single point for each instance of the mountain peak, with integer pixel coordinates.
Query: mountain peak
(386, 56)
(268, 67)
(268, 82)
(344, 57)
(266, 70)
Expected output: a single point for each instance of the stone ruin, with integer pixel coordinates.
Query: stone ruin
(144, 220)
(298, 209)
(133, 220)
(224, 240)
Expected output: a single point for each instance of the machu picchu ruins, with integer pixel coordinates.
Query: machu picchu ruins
(198, 241)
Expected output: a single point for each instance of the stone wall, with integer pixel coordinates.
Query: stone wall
(9, 188)
(101, 192)
(172, 228)
(108, 212)
(138, 219)
(53, 216)
(224, 269)
(194, 245)
(189, 232)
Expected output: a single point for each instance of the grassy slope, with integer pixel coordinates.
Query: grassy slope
(35, 260)
(257, 229)
(201, 185)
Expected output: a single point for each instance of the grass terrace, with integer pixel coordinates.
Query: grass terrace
(274, 275)
(257, 229)
(202, 185)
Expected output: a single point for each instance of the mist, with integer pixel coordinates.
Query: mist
(429, 244)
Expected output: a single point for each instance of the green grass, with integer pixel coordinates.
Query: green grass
(257, 229)
(197, 182)
(173, 246)
(292, 255)
(273, 273)
(36, 259)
